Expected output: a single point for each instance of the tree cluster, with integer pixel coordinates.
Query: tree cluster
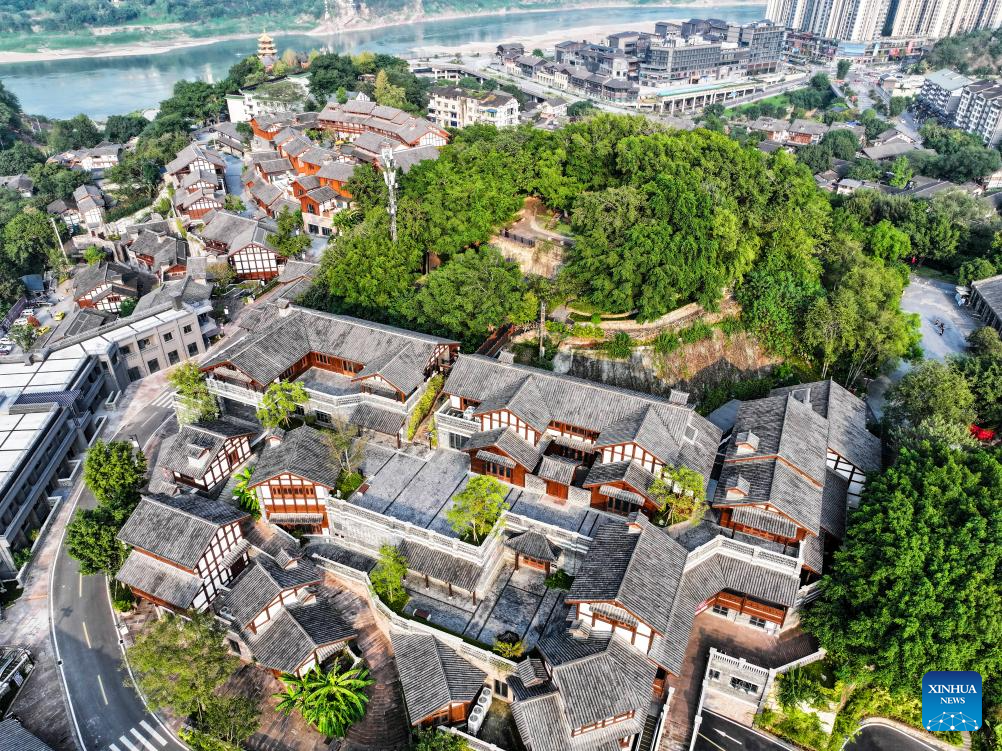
(394, 84)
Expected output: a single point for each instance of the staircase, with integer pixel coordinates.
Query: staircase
(650, 731)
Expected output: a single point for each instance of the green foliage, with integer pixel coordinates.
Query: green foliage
(230, 719)
(114, 472)
(348, 483)
(121, 128)
(423, 408)
(680, 494)
(477, 507)
(975, 270)
(388, 576)
(93, 255)
(432, 739)
(19, 158)
(28, 240)
(244, 495)
(54, 181)
(222, 273)
(91, 539)
(78, 132)
(559, 579)
(23, 334)
(199, 741)
(803, 728)
(795, 687)
(10, 115)
(904, 594)
(888, 243)
(744, 389)
(842, 69)
(279, 403)
(960, 156)
(582, 108)
(346, 446)
(193, 398)
(233, 203)
(620, 347)
(931, 401)
(902, 172)
(128, 306)
(696, 332)
(331, 702)
(180, 664)
(510, 650)
(981, 370)
(122, 598)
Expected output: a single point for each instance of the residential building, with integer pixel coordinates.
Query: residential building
(509, 51)
(90, 206)
(837, 20)
(986, 301)
(284, 95)
(349, 120)
(941, 92)
(94, 160)
(242, 243)
(453, 107)
(155, 249)
(185, 550)
(531, 427)
(197, 166)
(798, 133)
(439, 685)
(202, 455)
(979, 111)
(104, 286)
(23, 185)
(366, 373)
(227, 138)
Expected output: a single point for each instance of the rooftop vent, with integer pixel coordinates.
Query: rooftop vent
(738, 488)
(746, 442)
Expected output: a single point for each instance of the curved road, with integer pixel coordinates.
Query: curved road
(107, 715)
(876, 737)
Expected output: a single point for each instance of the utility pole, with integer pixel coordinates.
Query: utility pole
(390, 178)
(542, 329)
(59, 240)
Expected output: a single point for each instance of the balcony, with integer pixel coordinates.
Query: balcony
(450, 419)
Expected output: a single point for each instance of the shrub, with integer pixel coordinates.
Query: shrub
(697, 332)
(510, 650)
(596, 319)
(122, 599)
(588, 331)
(424, 405)
(199, 741)
(558, 330)
(559, 579)
(731, 325)
(666, 342)
(348, 483)
(620, 346)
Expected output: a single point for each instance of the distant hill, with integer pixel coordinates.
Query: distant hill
(978, 53)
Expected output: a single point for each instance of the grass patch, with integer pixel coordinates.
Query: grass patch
(929, 273)
(348, 483)
(620, 347)
(424, 405)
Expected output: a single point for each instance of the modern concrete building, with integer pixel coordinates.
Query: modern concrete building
(940, 94)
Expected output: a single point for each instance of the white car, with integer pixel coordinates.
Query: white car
(27, 312)
(6, 349)
(22, 321)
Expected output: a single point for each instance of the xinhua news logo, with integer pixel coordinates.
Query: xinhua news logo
(951, 700)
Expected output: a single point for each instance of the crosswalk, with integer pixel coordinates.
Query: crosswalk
(166, 399)
(143, 738)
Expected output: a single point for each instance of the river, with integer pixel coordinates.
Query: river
(102, 86)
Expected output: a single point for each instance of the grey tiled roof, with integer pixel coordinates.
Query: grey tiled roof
(294, 270)
(264, 354)
(990, 290)
(13, 737)
(634, 565)
(191, 153)
(91, 276)
(774, 482)
(629, 472)
(812, 552)
(259, 584)
(558, 469)
(178, 528)
(432, 675)
(302, 452)
(424, 560)
(159, 579)
(298, 631)
(369, 417)
(834, 499)
(673, 432)
(534, 545)
(846, 415)
(407, 128)
(186, 290)
(764, 521)
(192, 449)
(509, 442)
(235, 231)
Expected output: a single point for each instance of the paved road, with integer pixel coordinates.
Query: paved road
(109, 715)
(717, 733)
(884, 738)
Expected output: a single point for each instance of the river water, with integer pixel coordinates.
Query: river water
(102, 86)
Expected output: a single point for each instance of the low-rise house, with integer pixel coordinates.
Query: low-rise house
(23, 185)
(201, 161)
(185, 550)
(243, 243)
(13, 737)
(797, 133)
(278, 97)
(439, 686)
(94, 160)
(158, 251)
(889, 150)
(453, 107)
(509, 51)
(513, 419)
(370, 148)
(65, 210)
(366, 373)
(227, 139)
(293, 479)
(197, 201)
(351, 119)
(986, 301)
(202, 455)
(90, 205)
(104, 286)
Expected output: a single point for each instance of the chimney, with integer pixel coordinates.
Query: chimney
(738, 488)
(284, 307)
(746, 442)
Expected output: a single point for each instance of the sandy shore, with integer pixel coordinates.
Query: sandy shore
(672, 12)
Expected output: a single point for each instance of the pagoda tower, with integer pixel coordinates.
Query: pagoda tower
(266, 48)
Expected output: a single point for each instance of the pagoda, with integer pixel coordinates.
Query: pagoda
(266, 49)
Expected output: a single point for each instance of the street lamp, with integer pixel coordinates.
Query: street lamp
(390, 178)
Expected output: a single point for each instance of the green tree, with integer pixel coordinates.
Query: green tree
(54, 181)
(10, 116)
(331, 702)
(930, 394)
(795, 687)
(981, 369)
(842, 69)
(902, 172)
(289, 239)
(232, 719)
(473, 294)
(194, 400)
(78, 132)
(387, 94)
(245, 496)
(432, 739)
(388, 575)
(122, 128)
(222, 273)
(23, 334)
(905, 594)
(114, 472)
(279, 403)
(233, 203)
(91, 539)
(975, 270)
(680, 494)
(346, 445)
(27, 240)
(817, 157)
(128, 307)
(477, 507)
(93, 255)
(330, 72)
(19, 159)
(181, 663)
(889, 243)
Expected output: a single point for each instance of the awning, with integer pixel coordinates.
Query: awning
(501, 461)
(295, 518)
(621, 495)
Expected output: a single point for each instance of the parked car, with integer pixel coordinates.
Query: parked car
(6, 349)
(27, 312)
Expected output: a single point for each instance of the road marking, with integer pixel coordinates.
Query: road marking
(100, 685)
(153, 733)
(127, 743)
(80, 586)
(113, 747)
(87, 637)
(142, 740)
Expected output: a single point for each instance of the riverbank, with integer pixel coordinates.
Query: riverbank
(331, 31)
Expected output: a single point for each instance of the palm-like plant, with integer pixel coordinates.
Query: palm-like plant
(245, 497)
(331, 702)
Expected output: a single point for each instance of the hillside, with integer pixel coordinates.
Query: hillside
(978, 53)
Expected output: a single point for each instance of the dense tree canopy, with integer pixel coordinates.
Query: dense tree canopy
(906, 594)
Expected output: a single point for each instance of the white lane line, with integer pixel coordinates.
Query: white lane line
(80, 586)
(153, 733)
(127, 743)
(100, 685)
(142, 740)
(87, 637)
(113, 747)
